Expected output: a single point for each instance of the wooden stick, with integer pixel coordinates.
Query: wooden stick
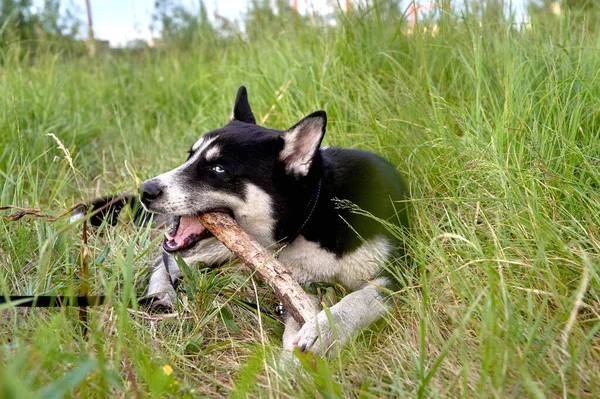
(263, 263)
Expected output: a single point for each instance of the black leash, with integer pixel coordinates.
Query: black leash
(165, 259)
(251, 305)
(52, 301)
(60, 301)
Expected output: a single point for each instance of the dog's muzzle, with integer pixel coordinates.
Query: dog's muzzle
(149, 191)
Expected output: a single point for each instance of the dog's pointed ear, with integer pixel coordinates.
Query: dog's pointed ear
(241, 108)
(302, 142)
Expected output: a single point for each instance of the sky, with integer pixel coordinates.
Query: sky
(120, 21)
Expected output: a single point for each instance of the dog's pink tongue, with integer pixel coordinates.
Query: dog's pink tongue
(188, 226)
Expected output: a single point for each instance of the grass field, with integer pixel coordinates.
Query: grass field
(496, 130)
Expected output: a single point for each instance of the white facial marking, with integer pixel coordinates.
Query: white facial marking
(201, 142)
(175, 199)
(309, 262)
(198, 143)
(254, 214)
(199, 146)
(203, 148)
(212, 153)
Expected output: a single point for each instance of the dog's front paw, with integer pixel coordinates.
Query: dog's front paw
(164, 301)
(319, 337)
(161, 296)
(161, 292)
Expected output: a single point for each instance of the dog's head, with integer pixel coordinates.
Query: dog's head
(239, 169)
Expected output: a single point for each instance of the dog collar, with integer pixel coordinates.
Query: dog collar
(312, 205)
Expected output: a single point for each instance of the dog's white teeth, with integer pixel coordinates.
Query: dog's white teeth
(171, 244)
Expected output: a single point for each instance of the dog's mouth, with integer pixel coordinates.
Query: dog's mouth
(186, 232)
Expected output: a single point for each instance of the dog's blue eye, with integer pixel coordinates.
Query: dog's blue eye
(218, 169)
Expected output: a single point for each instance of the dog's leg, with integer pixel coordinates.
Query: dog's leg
(292, 327)
(165, 271)
(164, 274)
(355, 311)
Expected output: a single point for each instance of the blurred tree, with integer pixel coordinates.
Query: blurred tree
(487, 10)
(582, 4)
(56, 25)
(552, 6)
(180, 27)
(587, 11)
(16, 20)
(268, 18)
(542, 10)
(46, 27)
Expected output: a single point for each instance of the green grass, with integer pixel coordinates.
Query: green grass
(497, 132)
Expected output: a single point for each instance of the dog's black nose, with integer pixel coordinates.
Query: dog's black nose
(149, 191)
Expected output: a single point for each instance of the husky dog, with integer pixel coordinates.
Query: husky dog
(284, 190)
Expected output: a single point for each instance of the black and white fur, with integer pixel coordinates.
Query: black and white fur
(282, 188)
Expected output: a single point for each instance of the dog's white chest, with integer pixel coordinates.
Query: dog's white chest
(308, 262)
